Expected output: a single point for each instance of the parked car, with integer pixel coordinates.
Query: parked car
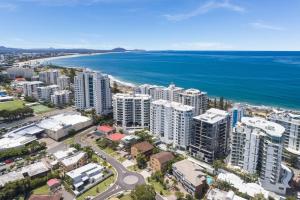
(8, 161)
(2, 164)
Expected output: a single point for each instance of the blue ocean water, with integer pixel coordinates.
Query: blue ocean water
(256, 77)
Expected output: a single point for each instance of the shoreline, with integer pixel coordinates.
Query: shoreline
(128, 84)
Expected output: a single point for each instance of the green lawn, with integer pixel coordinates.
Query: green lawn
(101, 188)
(134, 168)
(11, 105)
(126, 197)
(159, 188)
(41, 190)
(38, 109)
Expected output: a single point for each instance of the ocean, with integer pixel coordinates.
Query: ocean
(255, 77)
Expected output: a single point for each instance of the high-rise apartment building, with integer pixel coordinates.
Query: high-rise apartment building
(63, 82)
(49, 77)
(171, 122)
(291, 123)
(92, 90)
(61, 97)
(210, 135)
(256, 147)
(195, 98)
(131, 111)
(30, 88)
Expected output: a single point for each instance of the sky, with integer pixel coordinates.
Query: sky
(151, 24)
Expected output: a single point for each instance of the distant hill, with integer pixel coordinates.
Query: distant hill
(4, 49)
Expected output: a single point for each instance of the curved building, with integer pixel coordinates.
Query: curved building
(256, 147)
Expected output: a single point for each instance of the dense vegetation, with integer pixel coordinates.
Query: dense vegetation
(145, 192)
(18, 113)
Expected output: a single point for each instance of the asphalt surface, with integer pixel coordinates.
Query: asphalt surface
(122, 172)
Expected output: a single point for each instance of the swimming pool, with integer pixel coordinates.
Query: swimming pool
(209, 180)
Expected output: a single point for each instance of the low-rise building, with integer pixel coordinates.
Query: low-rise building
(20, 137)
(129, 140)
(115, 137)
(34, 170)
(74, 161)
(85, 175)
(58, 126)
(30, 88)
(106, 129)
(191, 177)
(159, 161)
(144, 148)
(216, 194)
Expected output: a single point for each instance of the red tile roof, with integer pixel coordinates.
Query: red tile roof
(105, 128)
(115, 136)
(143, 147)
(52, 182)
(45, 197)
(20, 79)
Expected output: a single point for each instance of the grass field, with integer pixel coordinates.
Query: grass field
(11, 105)
(41, 190)
(38, 109)
(159, 188)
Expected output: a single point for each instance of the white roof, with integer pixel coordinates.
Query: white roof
(73, 159)
(20, 136)
(271, 128)
(212, 115)
(60, 121)
(250, 188)
(77, 172)
(63, 153)
(172, 104)
(132, 96)
(216, 194)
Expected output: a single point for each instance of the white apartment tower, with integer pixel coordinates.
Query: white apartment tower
(49, 77)
(44, 93)
(256, 147)
(171, 122)
(61, 97)
(195, 98)
(291, 123)
(63, 82)
(30, 88)
(131, 111)
(210, 135)
(92, 90)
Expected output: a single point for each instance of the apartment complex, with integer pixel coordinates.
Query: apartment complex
(92, 90)
(196, 99)
(63, 82)
(61, 97)
(44, 93)
(237, 112)
(30, 88)
(171, 122)
(131, 111)
(210, 135)
(191, 177)
(256, 147)
(190, 97)
(49, 77)
(25, 72)
(159, 161)
(291, 123)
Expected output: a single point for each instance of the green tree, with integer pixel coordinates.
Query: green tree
(259, 197)
(141, 161)
(179, 195)
(145, 192)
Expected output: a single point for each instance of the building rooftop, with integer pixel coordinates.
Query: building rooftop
(132, 96)
(79, 171)
(105, 128)
(172, 104)
(271, 128)
(285, 116)
(191, 172)
(56, 196)
(64, 153)
(73, 159)
(212, 116)
(163, 157)
(143, 147)
(20, 136)
(115, 136)
(61, 121)
(216, 194)
(53, 182)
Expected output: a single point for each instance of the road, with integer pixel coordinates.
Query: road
(36, 117)
(126, 180)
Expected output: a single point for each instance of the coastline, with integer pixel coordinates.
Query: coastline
(129, 85)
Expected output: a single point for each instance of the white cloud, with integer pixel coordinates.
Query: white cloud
(261, 25)
(205, 8)
(201, 46)
(7, 6)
